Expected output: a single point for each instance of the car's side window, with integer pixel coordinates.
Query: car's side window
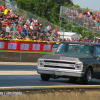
(97, 52)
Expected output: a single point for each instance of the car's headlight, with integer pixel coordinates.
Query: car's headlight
(40, 63)
(79, 66)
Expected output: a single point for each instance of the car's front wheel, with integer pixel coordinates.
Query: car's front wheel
(45, 77)
(88, 76)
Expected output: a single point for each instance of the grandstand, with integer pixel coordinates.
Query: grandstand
(85, 18)
(20, 24)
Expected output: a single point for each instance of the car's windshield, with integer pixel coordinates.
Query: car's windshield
(79, 49)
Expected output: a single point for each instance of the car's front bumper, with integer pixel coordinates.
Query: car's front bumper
(58, 72)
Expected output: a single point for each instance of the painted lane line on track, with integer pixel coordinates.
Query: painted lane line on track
(18, 73)
(18, 63)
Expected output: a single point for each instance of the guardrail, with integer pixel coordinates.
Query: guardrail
(51, 92)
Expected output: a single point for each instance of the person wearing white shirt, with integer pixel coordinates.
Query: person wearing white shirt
(7, 30)
(31, 27)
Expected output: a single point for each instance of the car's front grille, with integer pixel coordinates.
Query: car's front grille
(59, 64)
(59, 67)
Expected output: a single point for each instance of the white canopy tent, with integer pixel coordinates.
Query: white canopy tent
(70, 35)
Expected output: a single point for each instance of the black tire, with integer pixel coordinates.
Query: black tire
(87, 77)
(45, 77)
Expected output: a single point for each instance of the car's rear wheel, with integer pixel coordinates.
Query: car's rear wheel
(88, 76)
(45, 77)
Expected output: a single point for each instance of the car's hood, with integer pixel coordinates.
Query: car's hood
(67, 57)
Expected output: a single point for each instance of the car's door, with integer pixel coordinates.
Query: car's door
(97, 52)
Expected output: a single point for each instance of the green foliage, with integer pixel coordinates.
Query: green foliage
(48, 9)
(76, 6)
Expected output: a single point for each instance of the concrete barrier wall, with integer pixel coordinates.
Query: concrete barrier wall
(19, 57)
(52, 94)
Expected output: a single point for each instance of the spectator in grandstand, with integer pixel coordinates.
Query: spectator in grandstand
(27, 37)
(80, 14)
(6, 37)
(32, 22)
(3, 17)
(21, 31)
(22, 17)
(36, 31)
(91, 12)
(17, 37)
(36, 21)
(97, 41)
(24, 21)
(41, 35)
(0, 25)
(67, 39)
(14, 27)
(1, 36)
(71, 39)
(31, 35)
(93, 41)
(56, 32)
(5, 11)
(28, 21)
(9, 37)
(2, 31)
(7, 29)
(45, 31)
(21, 38)
(86, 22)
(32, 27)
(21, 22)
(9, 10)
(11, 28)
(34, 38)
(16, 21)
(49, 28)
(0, 7)
(55, 35)
(76, 39)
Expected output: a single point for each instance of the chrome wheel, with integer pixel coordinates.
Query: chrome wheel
(88, 76)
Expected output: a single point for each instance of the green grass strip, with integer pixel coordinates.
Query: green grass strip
(26, 51)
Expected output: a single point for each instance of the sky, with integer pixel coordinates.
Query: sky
(91, 4)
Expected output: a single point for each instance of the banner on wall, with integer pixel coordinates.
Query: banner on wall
(25, 46)
(55, 46)
(36, 47)
(12, 46)
(2, 44)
